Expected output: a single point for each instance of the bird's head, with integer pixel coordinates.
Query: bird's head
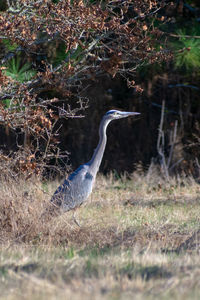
(117, 114)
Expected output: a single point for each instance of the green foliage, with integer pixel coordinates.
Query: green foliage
(9, 46)
(3, 272)
(95, 252)
(60, 54)
(188, 54)
(70, 253)
(78, 54)
(18, 71)
(6, 103)
(91, 268)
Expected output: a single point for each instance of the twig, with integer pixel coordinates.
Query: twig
(176, 163)
(161, 143)
(172, 144)
(185, 36)
(49, 135)
(183, 85)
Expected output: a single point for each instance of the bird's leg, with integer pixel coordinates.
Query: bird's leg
(74, 218)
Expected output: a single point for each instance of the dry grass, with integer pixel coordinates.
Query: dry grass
(138, 238)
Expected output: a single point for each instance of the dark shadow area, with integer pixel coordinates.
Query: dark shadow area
(146, 273)
(153, 272)
(27, 268)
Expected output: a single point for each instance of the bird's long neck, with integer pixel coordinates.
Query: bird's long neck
(96, 159)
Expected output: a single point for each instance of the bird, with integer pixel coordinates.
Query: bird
(76, 189)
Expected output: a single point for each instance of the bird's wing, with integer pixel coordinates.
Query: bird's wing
(79, 174)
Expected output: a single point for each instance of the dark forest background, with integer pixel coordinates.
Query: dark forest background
(65, 63)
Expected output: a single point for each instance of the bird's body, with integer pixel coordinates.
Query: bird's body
(78, 186)
(68, 195)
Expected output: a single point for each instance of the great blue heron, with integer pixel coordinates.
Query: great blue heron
(78, 186)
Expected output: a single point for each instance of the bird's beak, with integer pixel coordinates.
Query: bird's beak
(127, 114)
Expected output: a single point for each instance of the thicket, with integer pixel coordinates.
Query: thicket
(52, 51)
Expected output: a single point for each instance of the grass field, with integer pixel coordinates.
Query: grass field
(139, 239)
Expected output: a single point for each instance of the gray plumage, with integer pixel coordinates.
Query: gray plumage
(78, 186)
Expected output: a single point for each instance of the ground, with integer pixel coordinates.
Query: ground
(139, 239)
